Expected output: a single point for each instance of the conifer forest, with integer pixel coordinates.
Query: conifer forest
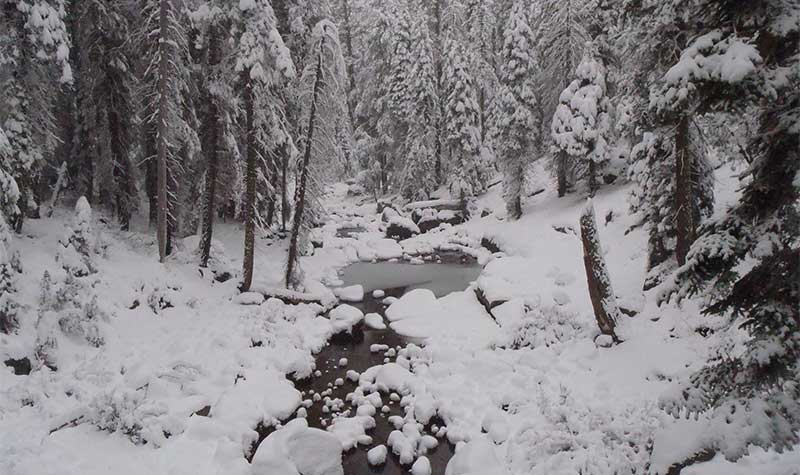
(426, 237)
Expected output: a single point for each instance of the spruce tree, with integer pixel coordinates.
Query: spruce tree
(581, 126)
(516, 127)
(324, 93)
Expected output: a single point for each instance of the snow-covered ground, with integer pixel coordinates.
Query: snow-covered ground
(188, 369)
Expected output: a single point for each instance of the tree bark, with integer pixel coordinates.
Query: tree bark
(592, 178)
(211, 143)
(285, 208)
(684, 221)
(561, 162)
(163, 112)
(600, 290)
(301, 192)
(250, 186)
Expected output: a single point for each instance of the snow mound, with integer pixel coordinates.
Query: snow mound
(344, 317)
(297, 449)
(353, 293)
(374, 321)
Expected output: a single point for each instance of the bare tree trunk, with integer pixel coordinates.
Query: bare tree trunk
(684, 221)
(348, 43)
(301, 192)
(592, 178)
(561, 162)
(601, 294)
(211, 144)
(285, 208)
(163, 109)
(250, 187)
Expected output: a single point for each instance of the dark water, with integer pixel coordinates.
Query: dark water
(453, 274)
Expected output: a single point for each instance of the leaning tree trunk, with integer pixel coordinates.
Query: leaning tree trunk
(301, 191)
(250, 186)
(212, 139)
(163, 113)
(684, 221)
(601, 294)
(285, 209)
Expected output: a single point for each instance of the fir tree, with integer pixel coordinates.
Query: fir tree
(463, 126)
(516, 128)
(581, 124)
(323, 92)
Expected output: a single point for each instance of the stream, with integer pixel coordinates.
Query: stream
(447, 273)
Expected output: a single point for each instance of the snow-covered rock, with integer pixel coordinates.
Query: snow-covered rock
(344, 317)
(377, 455)
(352, 293)
(296, 449)
(248, 298)
(374, 321)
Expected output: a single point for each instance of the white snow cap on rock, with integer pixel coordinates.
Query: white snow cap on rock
(296, 449)
(344, 317)
(353, 293)
(377, 455)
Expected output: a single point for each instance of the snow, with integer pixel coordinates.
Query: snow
(377, 455)
(249, 298)
(344, 317)
(374, 321)
(421, 467)
(352, 293)
(286, 452)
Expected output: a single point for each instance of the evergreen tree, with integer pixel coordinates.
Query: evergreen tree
(34, 55)
(753, 387)
(263, 62)
(106, 112)
(581, 124)
(516, 128)
(463, 126)
(324, 95)
(562, 35)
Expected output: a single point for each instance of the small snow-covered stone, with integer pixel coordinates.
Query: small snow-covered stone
(374, 321)
(377, 348)
(344, 317)
(377, 455)
(604, 341)
(378, 293)
(389, 300)
(421, 467)
(248, 298)
(352, 293)
(343, 362)
(352, 375)
(339, 382)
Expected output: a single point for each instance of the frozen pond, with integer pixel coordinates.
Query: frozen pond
(454, 273)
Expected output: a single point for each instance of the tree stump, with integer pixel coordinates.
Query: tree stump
(601, 293)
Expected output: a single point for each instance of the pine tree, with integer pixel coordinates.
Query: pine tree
(516, 128)
(463, 126)
(751, 388)
(263, 62)
(34, 55)
(105, 102)
(417, 111)
(562, 35)
(323, 91)
(581, 125)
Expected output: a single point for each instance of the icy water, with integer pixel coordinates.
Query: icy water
(349, 231)
(454, 273)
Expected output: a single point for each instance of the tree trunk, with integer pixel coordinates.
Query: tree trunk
(684, 222)
(211, 142)
(561, 162)
(592, 178)
(301, 192)
(285, 208)
(601, 294)
(348, 43)
(163, 113)
(250, 186)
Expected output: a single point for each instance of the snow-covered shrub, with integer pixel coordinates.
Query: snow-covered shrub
(541, 326)
(70, 308)
(9, 268)
(130, 412)
(79, 246)
(189, 252)
(571, 437)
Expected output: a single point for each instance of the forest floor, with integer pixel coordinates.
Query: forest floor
(188, 372)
